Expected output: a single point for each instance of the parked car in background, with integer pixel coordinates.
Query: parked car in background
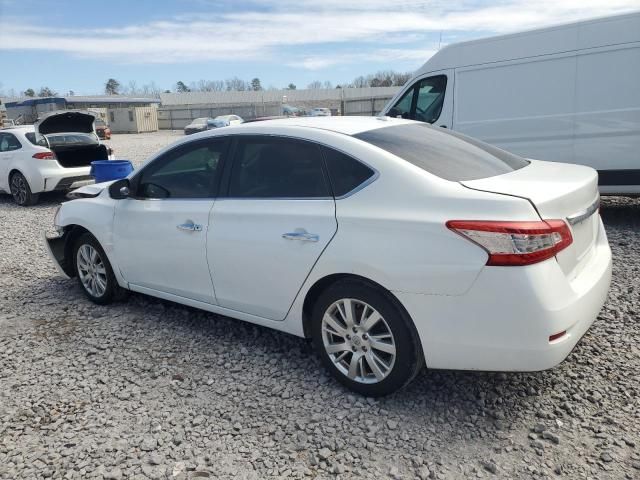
(320, 112)
(225, 121)
(394, 244)
(290, 111)
(198, 125)
(567, 93)
(102, 129)
(54, 154)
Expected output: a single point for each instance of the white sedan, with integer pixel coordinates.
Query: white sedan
(54, 154)
(391, 243)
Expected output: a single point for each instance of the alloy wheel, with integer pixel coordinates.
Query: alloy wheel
(19, 189)
(358, 340)
(91, 270)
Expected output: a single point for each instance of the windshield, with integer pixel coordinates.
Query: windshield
(447, 154)
(200, 121)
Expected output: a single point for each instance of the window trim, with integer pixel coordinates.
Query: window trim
(226, 176)
(17, 140)
(215, 190)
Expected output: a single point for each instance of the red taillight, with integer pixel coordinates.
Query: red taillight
(515, 243)
(45, 156)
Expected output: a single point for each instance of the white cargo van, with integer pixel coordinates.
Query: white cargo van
(568, 93)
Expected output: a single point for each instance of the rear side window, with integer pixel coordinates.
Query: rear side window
(446, 154)
(37, 139)
(346, 173)
(277, 168)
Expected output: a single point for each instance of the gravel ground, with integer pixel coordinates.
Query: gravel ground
(150, 389)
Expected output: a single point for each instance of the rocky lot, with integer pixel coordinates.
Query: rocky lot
(150, 389)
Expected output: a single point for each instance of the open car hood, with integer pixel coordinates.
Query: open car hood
(66, 122)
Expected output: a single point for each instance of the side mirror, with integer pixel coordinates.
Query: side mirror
(120, 189)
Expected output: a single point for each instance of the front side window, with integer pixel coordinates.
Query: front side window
(267, 167)
(9, 142)
(423, 101)
(430, 98)
(189, 171)
(402, 109)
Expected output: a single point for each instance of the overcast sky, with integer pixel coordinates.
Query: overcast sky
(76, 45)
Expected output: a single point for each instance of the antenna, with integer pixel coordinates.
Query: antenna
(440, 41)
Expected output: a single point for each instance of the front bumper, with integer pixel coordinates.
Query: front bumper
(503, 323)
(56, 247)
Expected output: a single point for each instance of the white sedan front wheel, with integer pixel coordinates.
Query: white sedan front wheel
(94, 271)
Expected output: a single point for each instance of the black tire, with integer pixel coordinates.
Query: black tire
(408, 351)
(21, 191)
(112, 291)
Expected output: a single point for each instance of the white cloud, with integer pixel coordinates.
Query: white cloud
(266, 34)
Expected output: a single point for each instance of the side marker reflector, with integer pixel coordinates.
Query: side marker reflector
(556, 336)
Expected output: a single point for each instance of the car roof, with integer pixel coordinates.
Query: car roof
(345, 125)
(18, 129)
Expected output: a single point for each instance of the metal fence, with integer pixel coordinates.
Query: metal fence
(180, 109)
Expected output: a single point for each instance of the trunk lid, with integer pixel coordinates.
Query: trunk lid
(66, 122)
(557, 191)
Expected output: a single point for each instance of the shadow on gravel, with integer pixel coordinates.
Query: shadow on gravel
(620, 212)
(192, 342)
(46, 200)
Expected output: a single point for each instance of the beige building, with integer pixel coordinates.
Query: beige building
(133, 119)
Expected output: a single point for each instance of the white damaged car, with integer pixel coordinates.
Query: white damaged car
(391, 243)
(54, 154)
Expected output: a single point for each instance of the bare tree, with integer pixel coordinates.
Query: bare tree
(131, 88)
(315, 85)
(327, 84)
(360, 82)
(47, 92)
(235, 84)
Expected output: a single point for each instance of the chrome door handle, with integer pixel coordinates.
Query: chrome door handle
(302, 236)
(190, 227)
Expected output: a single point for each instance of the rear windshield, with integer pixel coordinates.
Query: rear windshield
(59, 139)
(447, 154)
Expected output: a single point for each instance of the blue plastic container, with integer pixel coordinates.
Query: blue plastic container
(107, 170)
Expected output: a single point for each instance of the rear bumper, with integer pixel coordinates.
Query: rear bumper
(74, 182)
(503, 323)
(59, 178)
